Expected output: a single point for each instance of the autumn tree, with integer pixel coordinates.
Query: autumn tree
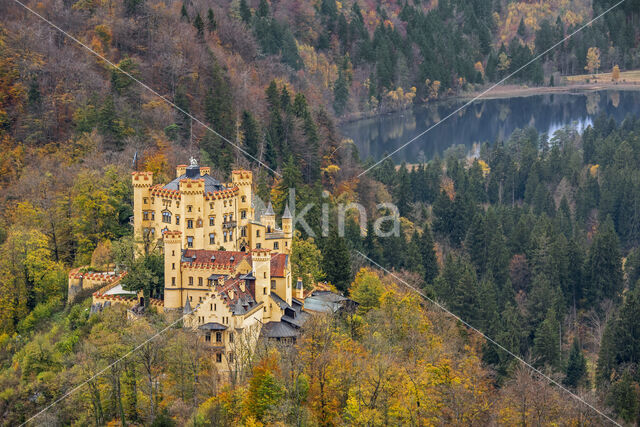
(593, 60)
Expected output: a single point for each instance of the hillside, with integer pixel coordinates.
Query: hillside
(536, 242)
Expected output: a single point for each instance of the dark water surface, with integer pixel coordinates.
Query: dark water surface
(484, 120)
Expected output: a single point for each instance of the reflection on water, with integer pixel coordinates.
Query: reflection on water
(484, 120)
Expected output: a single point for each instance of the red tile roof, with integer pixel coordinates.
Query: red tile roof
(222, 258)
(278, 264)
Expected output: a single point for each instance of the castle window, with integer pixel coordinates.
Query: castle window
(225, 218)
(215, 307)
(218, 336)
(145, 215)
(199, 223)
(210, 205)
(210, 307)
(199, 281)
(189, 208)
(212, 239)
(243, 198)
(230, 217)
(207, 338)
(152, 232)
(212, 221)
(225, 203)
(177, 203)
(243, 214)
(273, 284)
(191, 280)
(230, 336)
(177, 219)
(275, 246)
(153, 200)
(286, 244)
(189, 223)
(153, 215)
(218, 357)
(264, 274)
(200, 299)
(190, 298)
(231, 235)
(258, 245)
(173, 281)
(166, 217)
(189, 242)
(230, 357)
(173, 265)
(145, 201)
(268, 229)
(225, 236)
(243, 232)
(257, 233)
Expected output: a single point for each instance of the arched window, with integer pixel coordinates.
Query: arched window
(166, 217)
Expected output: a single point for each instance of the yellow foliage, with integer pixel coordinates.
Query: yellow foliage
(615, 73)
(593, 60)
(486, 169)
(593, 170)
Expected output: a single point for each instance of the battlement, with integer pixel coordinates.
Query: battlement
(181, 170)
(171, 235)
(142, 179)
(192, 186)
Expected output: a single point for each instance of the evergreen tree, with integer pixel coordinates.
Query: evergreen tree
(251, 133)
(340, 93)
(429, 258)
(211, 21)
(245, 12)
(576, 372)
(335, 260)
(603, 268)
(199, 26)
(546, 344)
(183, 13)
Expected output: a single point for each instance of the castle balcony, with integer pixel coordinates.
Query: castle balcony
(275, 235)
(229, 224)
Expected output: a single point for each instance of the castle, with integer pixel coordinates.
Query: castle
(227, 267)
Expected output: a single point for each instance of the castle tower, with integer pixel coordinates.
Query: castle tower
(192, 207)
(142, 182)
(244, 181)
(299, 292)
(268, 218)
(172, 276)
(287, 222)
(261, 259)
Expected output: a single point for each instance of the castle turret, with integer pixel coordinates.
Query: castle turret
(142, 182)
(172, 276)
(299, 292)
(261, 259)
(268, 218)
(287, 221)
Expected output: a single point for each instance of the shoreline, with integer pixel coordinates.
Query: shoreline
(503, 92)
(514, 91)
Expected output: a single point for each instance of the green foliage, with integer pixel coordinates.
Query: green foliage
(366, 290)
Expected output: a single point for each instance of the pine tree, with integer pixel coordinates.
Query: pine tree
(546, 344)
(245, 12)
(429, 258)
(340, 93)
(199, 26)
(521, 28)
(603, 268)
(250, 133)
(335, 261)
(211, 21)
(576, 372)
(183, 13)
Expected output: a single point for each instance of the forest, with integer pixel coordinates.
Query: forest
(535, 241)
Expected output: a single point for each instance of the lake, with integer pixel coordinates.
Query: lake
(484, 120)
